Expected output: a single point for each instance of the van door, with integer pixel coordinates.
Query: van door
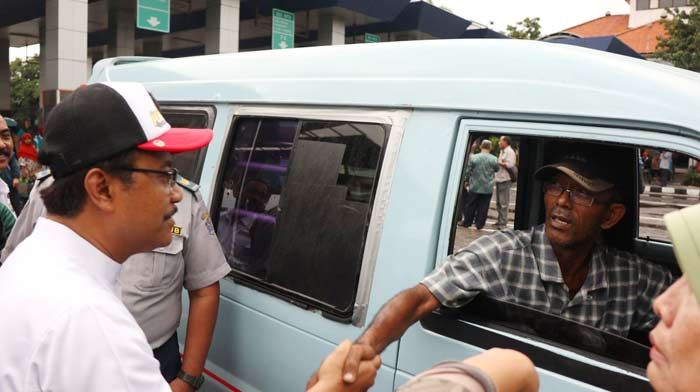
(297, 204)
(587, 358)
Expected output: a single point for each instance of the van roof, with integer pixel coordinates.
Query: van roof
(512, 76)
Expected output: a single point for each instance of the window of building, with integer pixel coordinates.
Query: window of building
(665, 3)
(294, 206)
(642, 5)
(189, 163)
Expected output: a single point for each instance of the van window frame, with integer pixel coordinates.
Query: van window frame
(394, 121)
(190, 108)
(596, 133)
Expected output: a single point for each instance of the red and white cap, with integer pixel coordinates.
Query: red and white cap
(100, 120)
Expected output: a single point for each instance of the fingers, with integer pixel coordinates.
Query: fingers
(358, 352)
(367, 373)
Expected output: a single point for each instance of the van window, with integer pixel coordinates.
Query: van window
(647, 192)
(189, 163)
(294, 206)
(475, 205)
(671, 182)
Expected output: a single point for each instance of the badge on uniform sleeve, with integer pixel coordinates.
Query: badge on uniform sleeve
(208, 223)
(177, 230)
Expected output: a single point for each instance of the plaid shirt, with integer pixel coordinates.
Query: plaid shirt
(521, 267)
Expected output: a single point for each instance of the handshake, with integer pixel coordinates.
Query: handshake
(353, 367)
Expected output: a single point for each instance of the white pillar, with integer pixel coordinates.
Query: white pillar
(65, 46)
(331, 30)
(121, 16)
(5, 104)
(223, 25)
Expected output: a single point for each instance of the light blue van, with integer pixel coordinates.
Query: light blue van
(335, 179)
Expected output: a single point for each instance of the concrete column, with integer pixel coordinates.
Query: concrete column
(153, 46)
(122, 26)
(331, 30)
(223, 26)
(5, 104)
(65, 46)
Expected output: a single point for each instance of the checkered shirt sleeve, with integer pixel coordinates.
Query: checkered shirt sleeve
(653, 280)
(470, 271)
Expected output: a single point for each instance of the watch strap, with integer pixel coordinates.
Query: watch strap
(193, 381)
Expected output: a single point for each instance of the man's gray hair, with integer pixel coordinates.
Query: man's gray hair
(486, 144)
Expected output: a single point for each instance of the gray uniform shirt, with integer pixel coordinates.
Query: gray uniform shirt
(151, 283)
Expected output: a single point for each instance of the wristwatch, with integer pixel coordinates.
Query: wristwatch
(193, 381)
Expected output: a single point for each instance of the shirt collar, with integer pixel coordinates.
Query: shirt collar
(78, 251)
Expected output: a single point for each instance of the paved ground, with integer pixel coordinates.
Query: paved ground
(653, 206)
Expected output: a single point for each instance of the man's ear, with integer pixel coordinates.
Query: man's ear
(615, 213)
(100, 187)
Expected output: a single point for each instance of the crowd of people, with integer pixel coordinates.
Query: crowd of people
(89, 314)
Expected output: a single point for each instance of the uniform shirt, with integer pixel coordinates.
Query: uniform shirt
(64, 327)
(480, 172)
(507, 156)
(151, 283)
(521, 267)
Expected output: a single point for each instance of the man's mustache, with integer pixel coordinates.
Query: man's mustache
(6, 152)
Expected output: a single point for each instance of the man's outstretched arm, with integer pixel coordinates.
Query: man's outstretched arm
(391, 322)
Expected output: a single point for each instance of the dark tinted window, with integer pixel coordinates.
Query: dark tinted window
(295, 204)
(642, 4)
(665, 3)
(188, 163)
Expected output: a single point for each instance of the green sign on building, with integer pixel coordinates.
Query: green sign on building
(372, 38)
(282, 29)
(153, 15)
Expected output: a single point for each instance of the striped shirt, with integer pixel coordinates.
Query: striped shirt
(521, 267)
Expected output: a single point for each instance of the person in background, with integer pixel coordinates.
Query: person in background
(665, 167)
(506, 161)
(480, 177)
(6, 154)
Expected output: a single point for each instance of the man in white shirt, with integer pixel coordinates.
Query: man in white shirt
(109, 150)
(506, 161)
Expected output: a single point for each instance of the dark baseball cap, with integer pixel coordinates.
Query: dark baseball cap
(99, 121)
(581, 168)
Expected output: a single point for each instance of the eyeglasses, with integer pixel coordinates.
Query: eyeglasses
(555, 189)
(171, 174)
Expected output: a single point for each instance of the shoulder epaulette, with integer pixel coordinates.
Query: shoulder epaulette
(43, 175)
(187, 184)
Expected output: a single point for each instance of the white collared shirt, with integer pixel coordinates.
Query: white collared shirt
(64, 327)
(507, 156)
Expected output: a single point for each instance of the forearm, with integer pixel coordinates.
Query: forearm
(397, 315)
(204, 304)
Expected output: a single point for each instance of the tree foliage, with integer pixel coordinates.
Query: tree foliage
(24, 87)
(681, 47)
(528, 28)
